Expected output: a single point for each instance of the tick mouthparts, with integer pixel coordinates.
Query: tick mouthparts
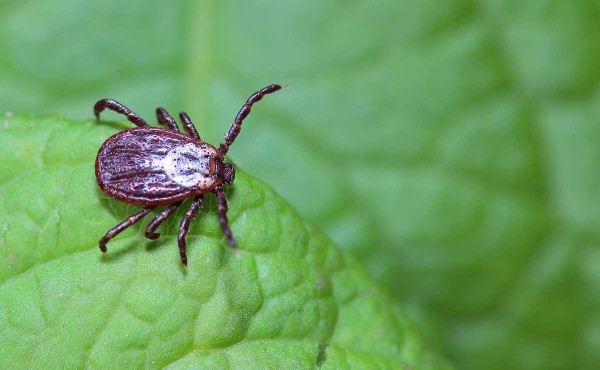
(227, 173)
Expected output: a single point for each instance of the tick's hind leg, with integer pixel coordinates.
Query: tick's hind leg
(223, 216)
(119, 108)
(155, 223)
(189, 126)
(165, 118)
(185, 226)
(122, 226)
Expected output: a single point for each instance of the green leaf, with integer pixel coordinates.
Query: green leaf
(451, 146)
(286, 299)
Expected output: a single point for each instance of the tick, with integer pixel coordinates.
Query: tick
(154, 166)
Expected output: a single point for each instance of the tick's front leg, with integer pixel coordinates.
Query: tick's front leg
(243, 113)
(223, 215)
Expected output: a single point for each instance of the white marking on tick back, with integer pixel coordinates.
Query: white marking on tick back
(187, 165)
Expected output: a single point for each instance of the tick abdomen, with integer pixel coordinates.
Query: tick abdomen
(153, 166)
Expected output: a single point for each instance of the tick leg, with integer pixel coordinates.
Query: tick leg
(185, 226)
(189, 126)
(122, 226)
(243, 113)
(223, 215)
(119, 108)
(155, 223)
(165, 118)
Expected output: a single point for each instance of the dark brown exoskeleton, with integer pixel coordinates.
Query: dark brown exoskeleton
(155, 166)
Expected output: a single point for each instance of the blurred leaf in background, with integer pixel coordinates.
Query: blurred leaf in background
(452, 146)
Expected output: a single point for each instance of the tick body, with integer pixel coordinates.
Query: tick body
(154, 166)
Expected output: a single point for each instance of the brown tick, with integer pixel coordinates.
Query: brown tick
(155, 166)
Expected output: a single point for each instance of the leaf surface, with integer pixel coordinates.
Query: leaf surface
(450, 146)
(287, 299)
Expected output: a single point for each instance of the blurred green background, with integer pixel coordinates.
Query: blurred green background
(452, 146)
